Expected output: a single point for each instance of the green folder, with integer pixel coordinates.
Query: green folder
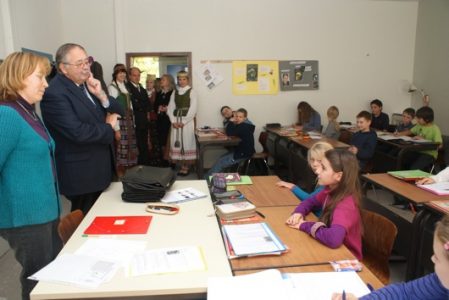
(409, 174)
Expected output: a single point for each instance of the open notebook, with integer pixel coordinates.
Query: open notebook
(271, 284)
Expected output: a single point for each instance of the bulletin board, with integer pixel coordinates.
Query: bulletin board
(255, 77)
(298, 75)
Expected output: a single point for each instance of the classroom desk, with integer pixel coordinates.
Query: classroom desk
(402, 188)
(420, 248)
(308, 143)
(264, 192)
(205, 143)
(402, 147)
(303, 249)
(366, 275)
(195, 224)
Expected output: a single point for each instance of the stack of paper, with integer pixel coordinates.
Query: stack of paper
(79, 270)
(251, 240)
(237, 210)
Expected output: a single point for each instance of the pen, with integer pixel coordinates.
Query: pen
(343, 295)
(260, 214)
(370, 287)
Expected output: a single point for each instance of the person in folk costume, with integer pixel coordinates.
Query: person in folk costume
(182, 111)
(126, 146)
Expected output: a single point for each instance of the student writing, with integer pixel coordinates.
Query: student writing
(434, 286)
(340, 222)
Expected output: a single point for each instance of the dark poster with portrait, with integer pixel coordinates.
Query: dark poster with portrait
(298, 75)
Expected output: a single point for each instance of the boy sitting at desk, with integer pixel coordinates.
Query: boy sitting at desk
(424, 129)
(363, 142)
(379, 119)
(245, 149)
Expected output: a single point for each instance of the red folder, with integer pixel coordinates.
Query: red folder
(119, 225)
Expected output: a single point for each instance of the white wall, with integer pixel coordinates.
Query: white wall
(36, 24)
(432, 58)
(365, 48)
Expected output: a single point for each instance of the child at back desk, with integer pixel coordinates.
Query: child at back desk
(332, 130)
(314, 157)
(363, 142)
(434, 286)
(340, 222)
(424, 129)
(407, 117)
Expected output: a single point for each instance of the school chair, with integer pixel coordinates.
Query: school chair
(379, 234)
(258, 156)
(68, 224)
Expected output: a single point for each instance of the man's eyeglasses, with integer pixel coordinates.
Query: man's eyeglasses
(81, 63)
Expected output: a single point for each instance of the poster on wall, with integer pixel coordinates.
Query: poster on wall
(298, 75)
(255, 77)
(210, 77)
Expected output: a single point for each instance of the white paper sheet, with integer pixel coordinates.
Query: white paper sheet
(168, 260)
(265, 285)
(117, 250)
(79, 270)
(271, 284)
(183, 195)
(321, 285)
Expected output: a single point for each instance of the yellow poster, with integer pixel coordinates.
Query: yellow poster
(255, 77)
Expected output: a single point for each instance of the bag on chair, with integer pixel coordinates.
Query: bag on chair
(146, 184)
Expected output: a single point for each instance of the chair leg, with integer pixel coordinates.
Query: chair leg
(266, 165)
(248, 162)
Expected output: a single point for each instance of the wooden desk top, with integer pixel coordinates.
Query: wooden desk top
(365, 274)
(308, 143)
(440, 206)
(219, 140)
(403, 188)
(303, 249)
(195, 221)
(264, 192)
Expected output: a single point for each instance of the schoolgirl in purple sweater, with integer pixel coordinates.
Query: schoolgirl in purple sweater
(340, 222)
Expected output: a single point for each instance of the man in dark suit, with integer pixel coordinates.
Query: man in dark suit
(141, 109)
(81, 118)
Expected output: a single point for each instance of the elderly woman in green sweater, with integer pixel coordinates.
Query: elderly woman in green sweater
(29, 198)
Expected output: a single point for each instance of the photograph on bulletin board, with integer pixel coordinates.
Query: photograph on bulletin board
(298, 75)
(255, 77)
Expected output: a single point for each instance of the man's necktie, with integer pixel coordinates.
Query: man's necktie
(82, 87)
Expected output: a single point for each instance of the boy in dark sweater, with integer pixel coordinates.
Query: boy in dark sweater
(245, 149)
(363, 142)
(380, 120)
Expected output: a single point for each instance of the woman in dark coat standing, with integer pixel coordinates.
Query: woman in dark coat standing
(163, 123)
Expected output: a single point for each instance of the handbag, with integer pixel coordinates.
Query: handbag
(146, 184)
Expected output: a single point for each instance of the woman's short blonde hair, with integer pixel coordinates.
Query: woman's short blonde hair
(15, 69)
(317, 151)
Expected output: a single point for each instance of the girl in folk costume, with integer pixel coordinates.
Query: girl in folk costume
(126, 155)
(182, 111)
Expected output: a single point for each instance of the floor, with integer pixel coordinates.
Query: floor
(10, 270)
